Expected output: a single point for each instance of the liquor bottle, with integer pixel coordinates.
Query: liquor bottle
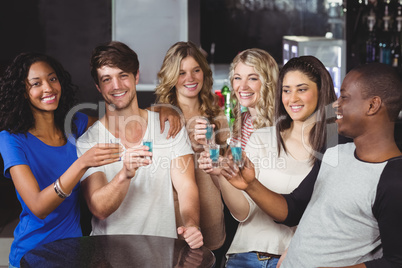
(398, 19)
(221, 99)
(212, 58)
(385, 43)
(396, 50)
(371, 43)
(225, 91)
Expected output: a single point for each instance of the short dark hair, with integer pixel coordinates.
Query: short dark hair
(379, 79)
(114, 54)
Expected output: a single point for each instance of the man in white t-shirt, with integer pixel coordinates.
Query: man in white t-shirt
(135, 195)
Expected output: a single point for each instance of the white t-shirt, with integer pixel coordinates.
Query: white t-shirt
(148, 207)
(259, 232)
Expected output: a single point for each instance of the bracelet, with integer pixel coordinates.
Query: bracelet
(59, 191)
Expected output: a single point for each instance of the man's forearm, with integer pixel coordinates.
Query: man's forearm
(190, 210)
(107, 199)
(189, 203)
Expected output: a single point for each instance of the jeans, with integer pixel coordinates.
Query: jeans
(250, 260)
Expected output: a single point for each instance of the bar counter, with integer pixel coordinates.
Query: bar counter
(118, 251)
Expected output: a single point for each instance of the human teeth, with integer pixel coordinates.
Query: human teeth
(119, 94)
(49, 98)
(297, 107)
(339, 116)
(191, 86)
(245, 94)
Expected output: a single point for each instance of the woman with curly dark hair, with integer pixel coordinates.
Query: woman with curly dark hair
(185, 81)
(39, 153)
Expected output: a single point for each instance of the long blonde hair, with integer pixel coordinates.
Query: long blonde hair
(267, 68)
(169, 75)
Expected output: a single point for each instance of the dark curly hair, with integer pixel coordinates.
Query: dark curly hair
(15, 111)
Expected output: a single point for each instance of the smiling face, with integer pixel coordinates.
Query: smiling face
(299, 95)
(43, 87)
(191, 79)
(246, 84)
(117, 87)
(351, 107)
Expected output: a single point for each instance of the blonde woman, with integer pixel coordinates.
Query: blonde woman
(253, 76)
(185, 81)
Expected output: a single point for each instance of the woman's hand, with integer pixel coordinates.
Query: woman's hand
(171, 114)
(200, 130)
(205, 164)
(102, 154)
(239, 178)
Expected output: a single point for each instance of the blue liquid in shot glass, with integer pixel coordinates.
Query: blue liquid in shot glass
(208, 135)
(236, 153)
(214, 154)
(149, 144)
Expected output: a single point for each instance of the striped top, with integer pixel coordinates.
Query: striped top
(246, 129)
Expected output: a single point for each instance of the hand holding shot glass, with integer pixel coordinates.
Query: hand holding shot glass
(134, 158)
(235, 147)
(209, 133)
(214, 154)
(149, 144)
(204, 131)
(117, 141)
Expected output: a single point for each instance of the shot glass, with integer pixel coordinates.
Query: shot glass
(235, 147)
(116, 141)
(209, 133)
(149, 143)
(214, 154)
